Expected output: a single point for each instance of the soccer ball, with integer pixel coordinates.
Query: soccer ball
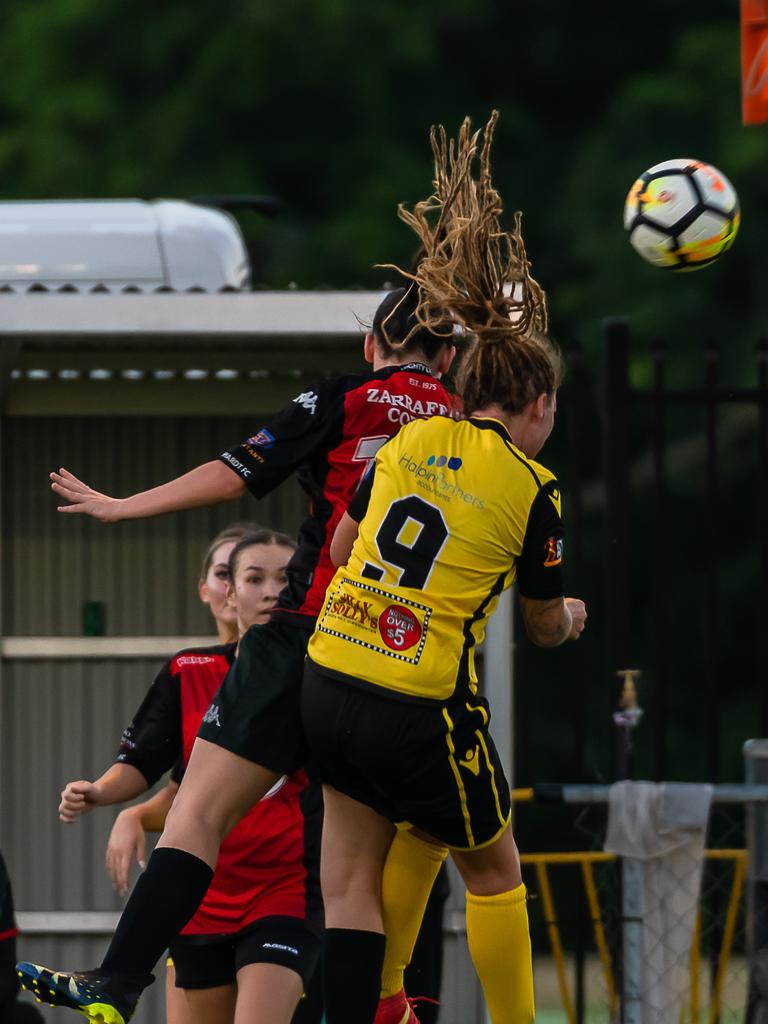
(682, 214)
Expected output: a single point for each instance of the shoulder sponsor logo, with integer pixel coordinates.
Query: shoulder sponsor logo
(264, 439)
(194, 659)
(431, 478)
(307, 400)
(236, 464)
(211, 716)
(553, 552)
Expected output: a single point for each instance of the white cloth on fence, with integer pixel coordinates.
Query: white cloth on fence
(664, 826)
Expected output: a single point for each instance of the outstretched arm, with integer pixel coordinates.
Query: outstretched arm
(209, 484)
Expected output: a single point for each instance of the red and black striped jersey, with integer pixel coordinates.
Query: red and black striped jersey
(269, 863)
(329, 436)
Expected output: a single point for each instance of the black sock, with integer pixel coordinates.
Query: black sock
(353, 961)
(163, 900)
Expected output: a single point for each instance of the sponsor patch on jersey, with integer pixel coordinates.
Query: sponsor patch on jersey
(362, 614)
(399, 628)
(553, 552)
(430, 476)
(452, 462)
(236, 464)
(263, 439)
(194, 659)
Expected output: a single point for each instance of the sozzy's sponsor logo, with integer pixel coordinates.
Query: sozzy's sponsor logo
(354, 609)
(435, 480)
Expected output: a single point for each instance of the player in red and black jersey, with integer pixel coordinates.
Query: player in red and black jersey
(263, 906)
(252, 733)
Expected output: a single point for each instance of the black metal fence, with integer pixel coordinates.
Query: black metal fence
(664, 468)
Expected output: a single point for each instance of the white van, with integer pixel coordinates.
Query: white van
(120, 245)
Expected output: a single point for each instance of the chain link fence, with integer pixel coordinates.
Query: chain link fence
(650, 939)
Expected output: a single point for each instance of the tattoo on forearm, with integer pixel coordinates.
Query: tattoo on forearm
(542, 627)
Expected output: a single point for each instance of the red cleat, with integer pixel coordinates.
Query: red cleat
(397, 1009)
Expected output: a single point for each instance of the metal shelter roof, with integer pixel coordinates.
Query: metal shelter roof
(173, 353)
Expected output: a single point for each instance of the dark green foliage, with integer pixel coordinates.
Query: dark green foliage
(328, 104)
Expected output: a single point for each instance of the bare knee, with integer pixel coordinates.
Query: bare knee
(491, 870)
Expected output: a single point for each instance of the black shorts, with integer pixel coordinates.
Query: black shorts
(433, 766)
(209, 961)
(256, 712)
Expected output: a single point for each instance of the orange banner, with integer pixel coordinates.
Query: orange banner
(754, 61)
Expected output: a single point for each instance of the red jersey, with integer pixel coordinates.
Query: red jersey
(269, 863)
(329, 436)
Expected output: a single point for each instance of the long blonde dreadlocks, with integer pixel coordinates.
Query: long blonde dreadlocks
(473, 272)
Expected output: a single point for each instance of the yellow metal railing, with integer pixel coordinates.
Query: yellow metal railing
(540, 862)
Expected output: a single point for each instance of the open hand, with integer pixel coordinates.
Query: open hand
(83, 498)
(126, 843)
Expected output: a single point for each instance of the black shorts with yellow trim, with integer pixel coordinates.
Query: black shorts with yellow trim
(430, 765)
(256, 712)
(208, 961)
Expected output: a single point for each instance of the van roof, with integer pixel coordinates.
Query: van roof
(119, 245)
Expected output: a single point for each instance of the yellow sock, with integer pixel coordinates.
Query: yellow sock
(409, 873)
(500, 947)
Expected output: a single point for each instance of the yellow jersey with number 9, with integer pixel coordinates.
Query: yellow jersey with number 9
(450, 515)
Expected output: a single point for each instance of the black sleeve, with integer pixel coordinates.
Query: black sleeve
(289, 439)
(539, 568)
(359, 505)
(153, 741)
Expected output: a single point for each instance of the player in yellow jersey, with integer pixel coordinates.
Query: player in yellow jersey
(450, 515)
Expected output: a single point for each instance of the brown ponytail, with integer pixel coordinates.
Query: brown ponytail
(482, 276)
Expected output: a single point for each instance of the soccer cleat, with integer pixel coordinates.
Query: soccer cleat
(100, 997)
(397, 1009)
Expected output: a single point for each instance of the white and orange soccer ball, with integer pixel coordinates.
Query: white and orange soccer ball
(682, 214)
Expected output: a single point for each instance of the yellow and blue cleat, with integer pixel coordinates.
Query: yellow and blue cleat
(101, 997)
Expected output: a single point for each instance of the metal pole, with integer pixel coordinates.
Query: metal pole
(500, 684)
(616, 400)
(499, 680)
(756, 773)
(632, 941)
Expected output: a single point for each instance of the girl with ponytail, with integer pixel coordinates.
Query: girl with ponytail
(451, 514)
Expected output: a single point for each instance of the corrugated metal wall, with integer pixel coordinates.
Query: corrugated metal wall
(61, 720)
(145, 571)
